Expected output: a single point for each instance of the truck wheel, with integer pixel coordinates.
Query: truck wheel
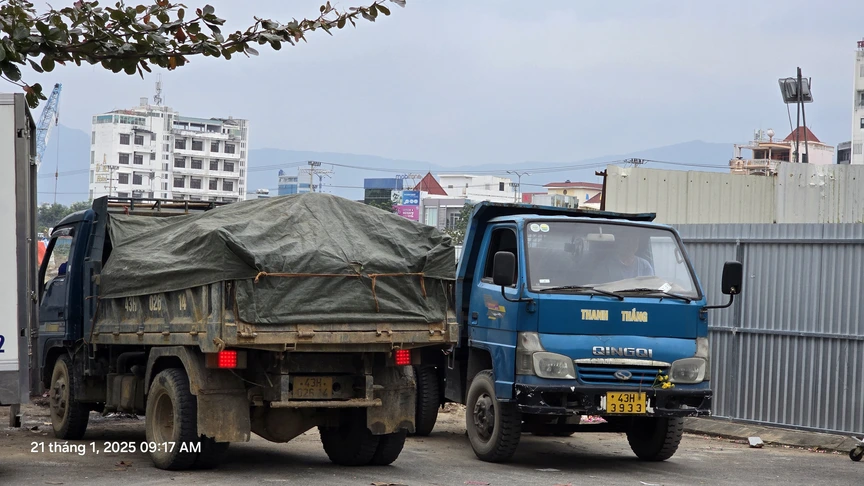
(212, 453)
(69, 417)
(350, 444)
(389, 448)
(493, 427)
(428, 400)
(655, 439)
(172, 417)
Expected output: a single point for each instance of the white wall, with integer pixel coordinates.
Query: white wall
(478, 188)
(858, 110)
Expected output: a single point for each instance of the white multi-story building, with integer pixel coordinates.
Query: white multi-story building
(479, 188)
(858, 108)
(151, 151)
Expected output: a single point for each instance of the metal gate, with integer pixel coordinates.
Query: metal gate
(790, 351)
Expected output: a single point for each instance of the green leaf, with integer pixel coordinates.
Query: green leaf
(209, 10)
(10, 70)
(47, 63)
(2, 52)
(341, 22)
(401, 3)
(35, 66)
(251, 51)
(140, 9)
(181, 13)
(383, 9)
(131, 68)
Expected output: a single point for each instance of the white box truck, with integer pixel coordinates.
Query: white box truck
(18, 251)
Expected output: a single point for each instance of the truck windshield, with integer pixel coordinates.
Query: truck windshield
(625, 259)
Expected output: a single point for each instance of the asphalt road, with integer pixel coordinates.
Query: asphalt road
(444, 458)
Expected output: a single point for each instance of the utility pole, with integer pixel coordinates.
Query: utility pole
(517, 188)
(315, 170)
(602, 174)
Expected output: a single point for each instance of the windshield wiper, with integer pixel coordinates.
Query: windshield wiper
(584, 288)
(658, 291)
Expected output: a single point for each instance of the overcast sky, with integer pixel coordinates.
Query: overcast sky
(483, 81)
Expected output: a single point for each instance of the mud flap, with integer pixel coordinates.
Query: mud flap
(397, 390)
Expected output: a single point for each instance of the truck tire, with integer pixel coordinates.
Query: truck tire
(428, 400)
(69, 417)
(389, 448)
(172, 417)
(212, 453)
(655, 439)
(351, 443)
(494, 428)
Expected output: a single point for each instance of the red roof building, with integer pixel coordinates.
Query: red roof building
(429, 185)
(802, 132)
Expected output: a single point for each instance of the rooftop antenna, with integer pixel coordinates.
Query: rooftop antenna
(157, 98)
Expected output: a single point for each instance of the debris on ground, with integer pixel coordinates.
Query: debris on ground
(591, 419)
(379, 483)
(755, 442)
(451, 407)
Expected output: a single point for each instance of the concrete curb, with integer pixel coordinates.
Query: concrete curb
(769, 435)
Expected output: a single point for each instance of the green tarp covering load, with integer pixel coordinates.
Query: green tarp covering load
(308, 258)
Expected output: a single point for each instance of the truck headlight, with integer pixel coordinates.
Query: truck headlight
(688, 370)
(552, 365)
(703, 350)
(532, 359)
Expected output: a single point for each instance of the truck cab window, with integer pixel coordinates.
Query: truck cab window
(503, 239)
(55, 262)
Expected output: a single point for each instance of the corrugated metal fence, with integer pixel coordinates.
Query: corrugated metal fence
(790, 351)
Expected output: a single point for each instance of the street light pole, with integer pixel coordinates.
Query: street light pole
(518, 184)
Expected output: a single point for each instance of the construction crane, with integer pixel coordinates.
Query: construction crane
(49, 114)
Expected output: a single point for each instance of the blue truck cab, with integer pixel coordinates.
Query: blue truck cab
(567, 313)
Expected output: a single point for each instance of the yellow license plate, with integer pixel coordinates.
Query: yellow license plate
(626, 403)
(312, 387)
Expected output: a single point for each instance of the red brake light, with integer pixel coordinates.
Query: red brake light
(403, 357)
(227, 359)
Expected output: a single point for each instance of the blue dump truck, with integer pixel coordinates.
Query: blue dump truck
(564, 313)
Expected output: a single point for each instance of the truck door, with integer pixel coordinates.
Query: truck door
(487, 303)
(55, 276)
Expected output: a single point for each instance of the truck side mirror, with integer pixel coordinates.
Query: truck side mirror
(733, 278)
(504, 268)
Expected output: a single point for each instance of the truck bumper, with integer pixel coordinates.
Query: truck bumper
(587, 400)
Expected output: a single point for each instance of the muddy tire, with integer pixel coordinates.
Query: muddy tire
(428, 400)
(172, 416)
(69, 417)
(212, 453)
(350, 444)
(655, 439)
(389, 448)
(494, 428)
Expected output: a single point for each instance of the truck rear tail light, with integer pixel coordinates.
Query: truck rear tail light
(228, 359)
(403, 357)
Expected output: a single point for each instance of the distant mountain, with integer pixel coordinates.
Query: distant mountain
(72, 159)
(348, 181)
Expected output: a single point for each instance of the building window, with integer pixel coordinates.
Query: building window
(500, 186)
(153, 156)
(214, 165)
(122, 194)
(179, 182)
(195, 183)
(856, 148)
(861, 98)
(197, 145)
(180, 143)
(164, 187)
(227, 185)
(139, 139)
(229, 148)
(123, 178)
(93, 138)
(228, 166)
(197, 164)
(139, 159)
(862, 123)
(180, 162)
(137, 180)
(124, 139)
(124, 159)
(214, 184)
(214, 146)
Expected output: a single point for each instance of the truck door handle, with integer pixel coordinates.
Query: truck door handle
(475, 315)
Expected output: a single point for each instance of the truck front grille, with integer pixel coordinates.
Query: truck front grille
(591, 374)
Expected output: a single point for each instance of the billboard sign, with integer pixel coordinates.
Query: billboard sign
(408, 212)
(410, 198)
